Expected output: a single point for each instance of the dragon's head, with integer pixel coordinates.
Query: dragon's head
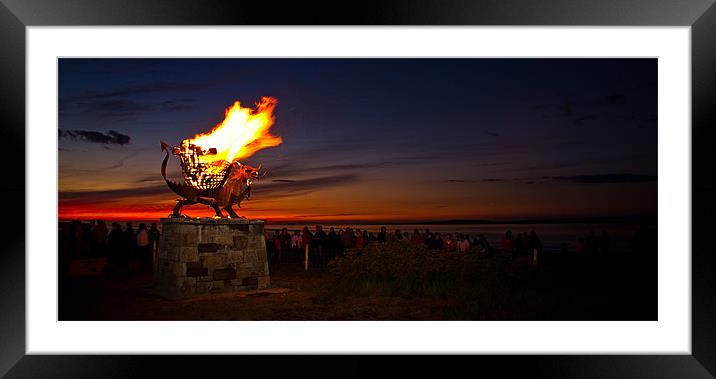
(246, 173)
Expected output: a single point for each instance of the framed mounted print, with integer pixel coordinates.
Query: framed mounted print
(465, 178)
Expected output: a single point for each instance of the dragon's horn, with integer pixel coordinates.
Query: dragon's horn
(165, 146)
(258, 168)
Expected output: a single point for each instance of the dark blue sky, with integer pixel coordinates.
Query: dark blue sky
(376, 138)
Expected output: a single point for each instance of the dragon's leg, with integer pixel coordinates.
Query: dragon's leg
(177, 208)
(231, 212)
(217, 210)
(213, 205)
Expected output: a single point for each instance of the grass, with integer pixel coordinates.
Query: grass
(487, 287)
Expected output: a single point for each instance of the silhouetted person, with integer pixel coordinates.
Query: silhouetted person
(99, 239)
(508, 245)
(296, 246)
(438, 242)
(519, 245)
(361, 239)
(382, 236)
(144, 249)
(348, 239)
(429, 240)
(318, 242)
(536, 246)
(579, 247)
(79, 240)
(276, 242)
(117, 247)
(130, 242)
(463, 244)
(591, 244)
(332, 242)
(417, 238)
(306, 240)
(528, 243)
(449, 245)
(482, 245)
(285, 243)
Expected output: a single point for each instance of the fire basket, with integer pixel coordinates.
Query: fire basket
(200, 173)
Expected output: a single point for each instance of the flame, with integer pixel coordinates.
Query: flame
(243, 132)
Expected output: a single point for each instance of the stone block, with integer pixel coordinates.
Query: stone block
(196, 269)
(240, 242)
(208, 247)
(250, 257)
(246, 269)
(239, 227)
(224, 274)
(189, 254)
(172, 280)
(256, 242)
(189, 239)
(233, 256)
(168, 253)
(250, 281)
(177, 268)
(261, 255)
(263, 282)
(217, 285)
(213, 260)
(186, 286)
(203, 287)
(205, 278)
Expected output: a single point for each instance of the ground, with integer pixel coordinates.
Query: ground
(115, 297)
(379, 285)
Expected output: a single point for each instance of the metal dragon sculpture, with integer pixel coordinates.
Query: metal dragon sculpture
(219, 185)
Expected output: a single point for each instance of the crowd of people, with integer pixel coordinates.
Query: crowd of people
(125, 249)
(321, 247)
(135, 248)
(592, 245)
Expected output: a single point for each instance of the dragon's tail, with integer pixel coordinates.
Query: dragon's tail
(178, 188)
(165, 147)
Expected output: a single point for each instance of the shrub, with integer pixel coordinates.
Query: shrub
(396, 268)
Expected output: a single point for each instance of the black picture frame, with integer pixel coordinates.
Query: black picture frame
(700, 15)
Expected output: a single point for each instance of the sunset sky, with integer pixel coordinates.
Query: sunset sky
(371, 139)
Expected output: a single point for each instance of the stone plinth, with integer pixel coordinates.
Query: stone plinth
(204, 255)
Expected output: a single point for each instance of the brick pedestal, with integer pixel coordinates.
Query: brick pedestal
(204, 255)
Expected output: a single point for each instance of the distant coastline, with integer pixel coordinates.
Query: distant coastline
(635, 219)
(565, 220)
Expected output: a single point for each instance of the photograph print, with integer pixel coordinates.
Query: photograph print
(437, 189)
